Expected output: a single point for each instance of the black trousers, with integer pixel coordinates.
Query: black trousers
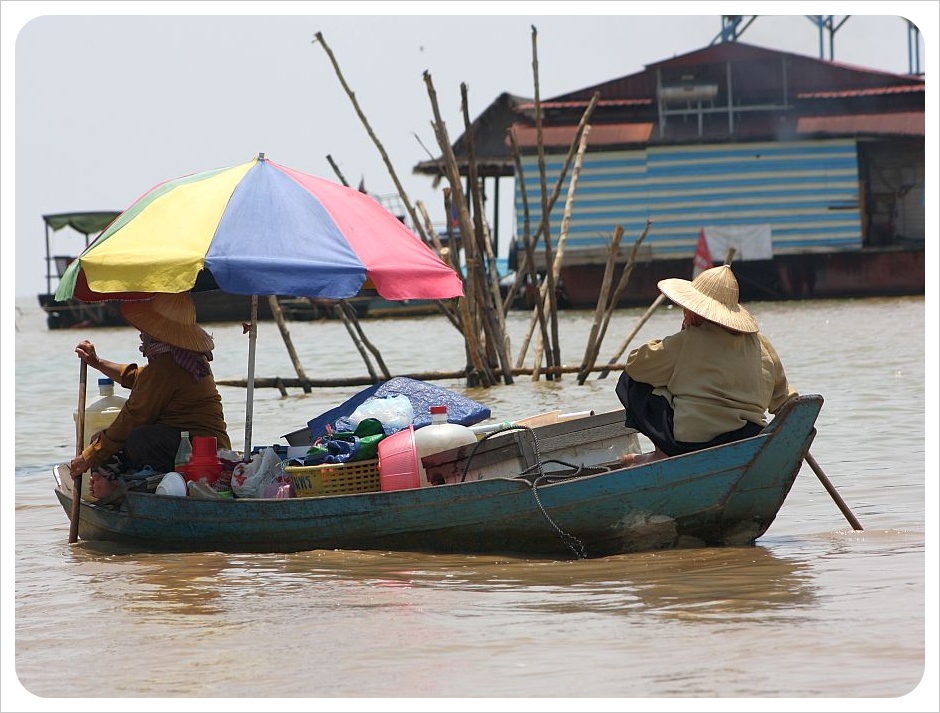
(154, 445)
(651, 415)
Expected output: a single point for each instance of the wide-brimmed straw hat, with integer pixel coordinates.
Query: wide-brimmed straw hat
(713, 295)
(171, 318)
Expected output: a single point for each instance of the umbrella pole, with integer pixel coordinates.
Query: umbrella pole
(249, 406)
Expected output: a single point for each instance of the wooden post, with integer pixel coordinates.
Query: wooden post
(471, 328)
(354, 321)
(493, 319)
(554, 353)
(618, 291)
(593, 346)
(79, 443)
(375, 140)
(529, 260)
(623, 346)
(341, 314)
(278, 315)
(562, 240)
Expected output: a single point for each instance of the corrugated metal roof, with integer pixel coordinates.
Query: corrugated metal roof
(604, 134)
(907, 122)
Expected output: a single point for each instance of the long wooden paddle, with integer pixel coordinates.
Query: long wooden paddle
(79, 442)
(831, 489)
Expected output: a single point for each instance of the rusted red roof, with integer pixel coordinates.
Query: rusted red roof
(603, 134)
(868, 92)
(907, 122)
(645, 101)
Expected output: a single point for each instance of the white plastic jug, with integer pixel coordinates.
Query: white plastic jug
(102, 412)
(99, 416)
(439, 436)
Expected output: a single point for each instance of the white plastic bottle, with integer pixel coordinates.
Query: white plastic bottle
(184, 452)
(101, 414)
(440, 436)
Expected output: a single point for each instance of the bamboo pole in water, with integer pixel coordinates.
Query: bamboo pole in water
(529, 259)
(563, 239)
(278, 382)
(593, 345)
(344, 317)
(556, 191)
(481, 228)
(441, 305)
(553, 348)
(364, 340)
(618, 291)
(488, 295)
(375, 140)
(278, 315)
(471, 326)
(623, 345)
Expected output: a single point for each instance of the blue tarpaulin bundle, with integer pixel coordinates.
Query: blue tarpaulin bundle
(422, 395)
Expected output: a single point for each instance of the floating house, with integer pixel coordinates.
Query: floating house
(812, 170)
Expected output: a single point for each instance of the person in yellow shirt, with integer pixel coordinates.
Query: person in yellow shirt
(173, 392)
(710, 383)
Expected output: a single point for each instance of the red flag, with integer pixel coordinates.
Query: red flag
(703, 259)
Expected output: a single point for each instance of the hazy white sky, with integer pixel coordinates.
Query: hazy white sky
(108, 105)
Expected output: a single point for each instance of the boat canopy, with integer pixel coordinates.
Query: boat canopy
(85, 222)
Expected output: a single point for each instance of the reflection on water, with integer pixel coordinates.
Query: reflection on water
(716, 583)
(702, 582)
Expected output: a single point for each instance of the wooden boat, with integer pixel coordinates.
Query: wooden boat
(550, 491)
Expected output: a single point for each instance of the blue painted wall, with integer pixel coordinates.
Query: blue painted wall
(808, 191)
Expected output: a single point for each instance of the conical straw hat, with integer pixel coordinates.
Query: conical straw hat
(713, 295)
(171, 318)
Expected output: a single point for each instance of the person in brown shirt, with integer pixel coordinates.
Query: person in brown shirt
(712, 382)
(173, 392)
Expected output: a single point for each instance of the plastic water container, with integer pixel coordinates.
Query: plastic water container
(440, 436)
(204, 463)
(98, 416)
(101, 414)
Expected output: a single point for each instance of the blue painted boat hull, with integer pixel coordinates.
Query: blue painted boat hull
(728, 495)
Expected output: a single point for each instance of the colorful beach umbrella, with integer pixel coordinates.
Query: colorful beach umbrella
(257, 228)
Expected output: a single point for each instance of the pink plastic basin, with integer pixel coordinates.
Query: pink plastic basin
(398, 461)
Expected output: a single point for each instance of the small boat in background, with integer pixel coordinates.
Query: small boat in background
(303, 309)
(212, 305)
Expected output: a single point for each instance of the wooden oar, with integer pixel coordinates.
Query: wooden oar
(79, 442)
(831, 489)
